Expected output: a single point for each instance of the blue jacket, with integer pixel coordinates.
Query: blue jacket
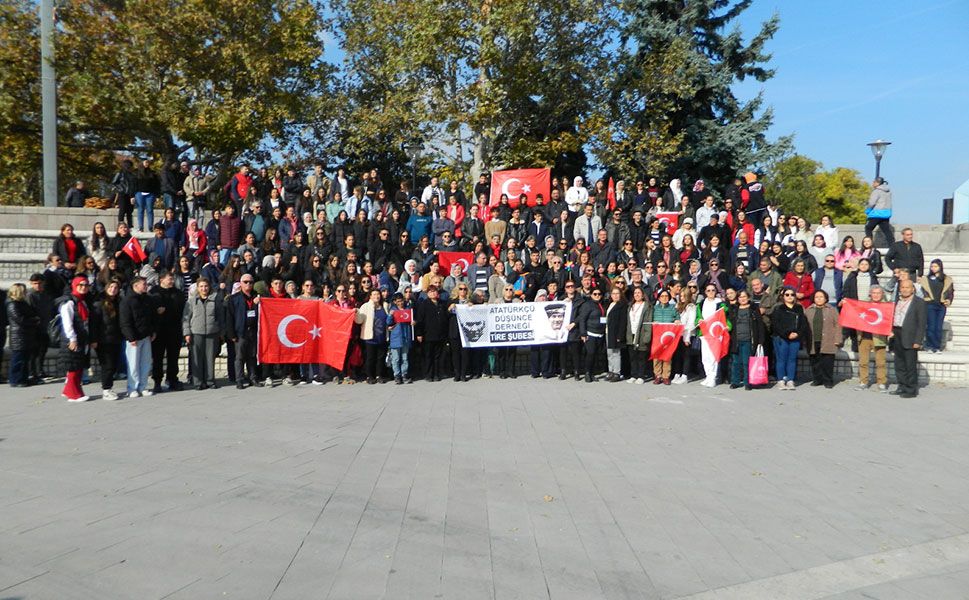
(838, 283)
(235, 322)
(402, 335)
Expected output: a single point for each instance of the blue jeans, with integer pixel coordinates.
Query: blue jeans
(785, 358)
(935, 315)
(738, 364)
(310, 371)
(398, 362)
(145, 202)
(168, 199)
(18, 367)
(224, 255)
(139, 364)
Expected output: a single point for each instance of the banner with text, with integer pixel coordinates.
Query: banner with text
(514, 324)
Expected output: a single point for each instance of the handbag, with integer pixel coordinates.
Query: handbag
(757, 368)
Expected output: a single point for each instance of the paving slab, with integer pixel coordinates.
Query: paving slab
(499, 489)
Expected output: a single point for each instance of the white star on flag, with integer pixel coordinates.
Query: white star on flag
(526, 188)
(315, 332)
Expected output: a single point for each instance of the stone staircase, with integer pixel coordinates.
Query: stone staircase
(24, 251)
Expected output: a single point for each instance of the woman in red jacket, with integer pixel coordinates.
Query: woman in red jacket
(801, 281)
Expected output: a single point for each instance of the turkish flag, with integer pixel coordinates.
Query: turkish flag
(520, 181)
(714, 331)
(134, 250)
(446, 259)
(404, 315)
(611, 194)
(303, 331)
(666, 338)
(870, 317)
(670, 219)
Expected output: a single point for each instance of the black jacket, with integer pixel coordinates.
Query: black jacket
(137, 316)
(590, 318)
(758, 329)
(431, 321)
(905, 256)
(850, 287)
(108, 325)
(913, 326)
(169, 323)
(616, 323)
(24, 325)
(786, 320)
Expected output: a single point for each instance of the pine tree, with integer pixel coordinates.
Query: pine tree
(671, 99)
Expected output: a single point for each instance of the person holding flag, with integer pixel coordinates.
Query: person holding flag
(873, 343)
(639, 335)
(666, 338)
(748, 332)
(125, 251)
(712, 327)
(400, 332)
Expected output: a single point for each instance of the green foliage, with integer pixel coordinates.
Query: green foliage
(670, 107)
(800, 186)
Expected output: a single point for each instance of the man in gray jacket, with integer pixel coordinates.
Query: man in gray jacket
(202, 325)
(879, 210)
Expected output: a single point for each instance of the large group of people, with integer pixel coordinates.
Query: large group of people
(359, 244)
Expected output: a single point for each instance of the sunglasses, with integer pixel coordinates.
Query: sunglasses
(788, 294)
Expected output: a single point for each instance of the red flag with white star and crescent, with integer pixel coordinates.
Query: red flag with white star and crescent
(714, 331)
(666, 338)
(870, 317)
(530, 182)
(303, 332)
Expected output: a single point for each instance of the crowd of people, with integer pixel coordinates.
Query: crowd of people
(359, 244)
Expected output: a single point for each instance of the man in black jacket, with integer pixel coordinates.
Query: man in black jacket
(137, 314)
(169, 304)
(906, 254)
(570, 353)
(242, 322)
(908, 330)
(431, 330)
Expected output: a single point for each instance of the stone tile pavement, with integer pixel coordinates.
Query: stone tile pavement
(494, 489)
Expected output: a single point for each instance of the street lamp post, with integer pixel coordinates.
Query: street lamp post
(48, 103)
(412, 148)
(878, 148)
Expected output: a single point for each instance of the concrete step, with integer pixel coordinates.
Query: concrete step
(19, 267)
(42, 240)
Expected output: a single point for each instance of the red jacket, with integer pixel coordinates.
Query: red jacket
(803, 285)
(230, 232)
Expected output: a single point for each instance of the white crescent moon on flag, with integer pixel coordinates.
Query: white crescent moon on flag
(506, 184)
(464, 264)
(713, 329)
(664, 221)
(281, 330)
(878, 316)
(662, 338)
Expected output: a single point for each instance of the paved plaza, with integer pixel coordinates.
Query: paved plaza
(494, 489)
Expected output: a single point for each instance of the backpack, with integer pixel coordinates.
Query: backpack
(55, 328)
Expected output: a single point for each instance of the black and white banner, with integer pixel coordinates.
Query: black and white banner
(514, 324)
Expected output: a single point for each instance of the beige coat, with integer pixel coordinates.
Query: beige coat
(830, 330)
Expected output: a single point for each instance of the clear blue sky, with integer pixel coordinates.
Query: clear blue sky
(852, 71)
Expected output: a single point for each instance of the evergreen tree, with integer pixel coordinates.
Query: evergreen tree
(671, 103)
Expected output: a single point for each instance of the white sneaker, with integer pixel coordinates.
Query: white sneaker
(108, 395)
(883, 388)
(288, 382)
(781, 385)
(632, 380)
(81, 399)
(640, 380)
(134, 394)
(147, 393)
(269, 382)
(790, 385)
(679, 379)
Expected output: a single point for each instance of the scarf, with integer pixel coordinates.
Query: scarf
(79, 296)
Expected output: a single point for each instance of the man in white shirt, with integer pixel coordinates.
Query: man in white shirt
(433, 191)
(577, 196)
(587, 225)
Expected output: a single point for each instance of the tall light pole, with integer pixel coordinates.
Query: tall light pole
(878, 148)
(48, 94)
(412, 148)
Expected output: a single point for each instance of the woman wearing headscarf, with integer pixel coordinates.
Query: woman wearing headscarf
(75, 312)
(195, 241)
(411, 276)
(672, 195)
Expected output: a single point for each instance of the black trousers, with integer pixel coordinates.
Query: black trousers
(245, 358)
(432, 352)
(505, 361)
(165, 345)
(570, 357)
(593, 348)
(108, 355)
(125, 208)
(822, 368)
(38, 354)
(637, 363)
(460, 359)
(374, 357)
(883, 226)
(540, 361)
(907, 369)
